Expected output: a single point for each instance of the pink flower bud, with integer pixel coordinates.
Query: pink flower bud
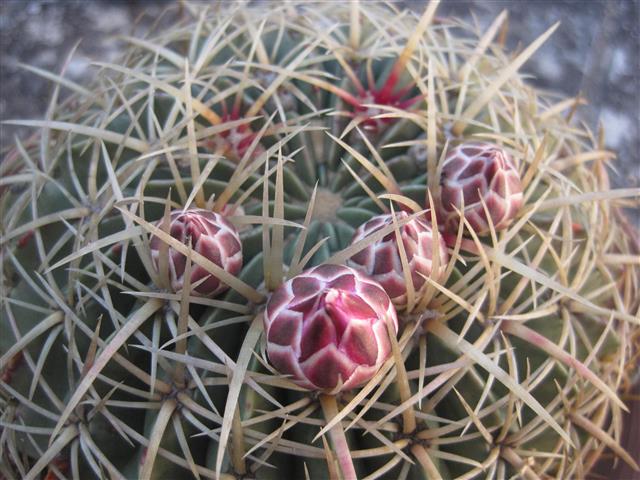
(327, 328)
(475, 171)
(212, 236)
(381, 260)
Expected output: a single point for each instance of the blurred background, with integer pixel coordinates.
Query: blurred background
(595, 53)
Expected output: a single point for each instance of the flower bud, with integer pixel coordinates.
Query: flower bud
(382, 261)
(476, 172)
(327, 328)
(211, 235)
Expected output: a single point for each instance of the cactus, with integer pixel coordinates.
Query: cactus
(121, 356)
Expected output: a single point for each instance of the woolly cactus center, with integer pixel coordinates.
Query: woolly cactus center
(381, 97)
(327, 204)
(233, 142)
(240, 139)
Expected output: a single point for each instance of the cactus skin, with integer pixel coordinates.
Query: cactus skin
(381, 260)
(327, 328)
(474, 172)
(209, 234)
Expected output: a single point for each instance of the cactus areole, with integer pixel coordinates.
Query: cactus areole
(327, 328)
(209, 234)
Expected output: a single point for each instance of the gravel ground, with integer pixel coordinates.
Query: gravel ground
(594, 53)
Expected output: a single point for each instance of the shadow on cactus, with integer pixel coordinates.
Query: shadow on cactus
(233, 260)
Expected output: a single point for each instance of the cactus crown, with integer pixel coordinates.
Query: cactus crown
(297, 124)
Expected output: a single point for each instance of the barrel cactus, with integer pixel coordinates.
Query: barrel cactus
(138, 340)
